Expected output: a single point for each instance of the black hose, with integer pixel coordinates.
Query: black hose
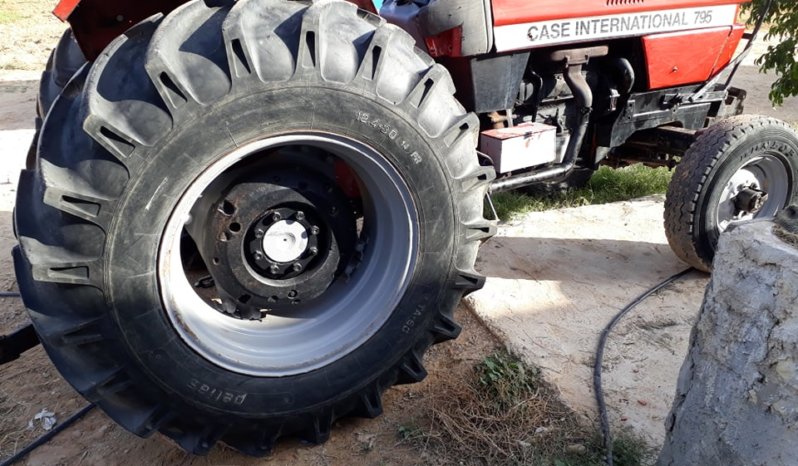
(9, 294)
(602, 406)
(48, 436)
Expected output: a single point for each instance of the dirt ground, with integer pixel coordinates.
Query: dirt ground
(28, 32)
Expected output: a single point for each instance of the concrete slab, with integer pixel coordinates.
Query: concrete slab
(555, 279)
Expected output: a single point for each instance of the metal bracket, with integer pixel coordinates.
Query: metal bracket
(12, 346)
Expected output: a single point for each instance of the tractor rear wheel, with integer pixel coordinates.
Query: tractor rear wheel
(739, 169)
(248, 219)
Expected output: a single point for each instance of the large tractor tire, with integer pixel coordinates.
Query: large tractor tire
(64, 62)
(321, 170)
(739, 169)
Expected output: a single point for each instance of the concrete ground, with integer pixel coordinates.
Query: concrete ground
(555, 280)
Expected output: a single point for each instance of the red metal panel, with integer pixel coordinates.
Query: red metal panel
(527, 11)
(65, 8)
(680, 58)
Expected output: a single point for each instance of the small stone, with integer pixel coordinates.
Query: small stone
(642, 402)
(576, 449)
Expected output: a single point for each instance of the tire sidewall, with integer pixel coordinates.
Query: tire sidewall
(165, 172)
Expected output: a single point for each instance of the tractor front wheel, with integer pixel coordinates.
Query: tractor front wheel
(739, 169)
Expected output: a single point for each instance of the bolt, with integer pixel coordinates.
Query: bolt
(292, 294)
(300, 215)
(277, 217)
(297, 267)
(274, 270)
(258, 256)
(259, 233)
(314, 230)
(314, 250)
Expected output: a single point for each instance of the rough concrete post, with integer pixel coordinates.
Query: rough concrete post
(737, 398)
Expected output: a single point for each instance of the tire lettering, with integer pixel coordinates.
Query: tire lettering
(215, 394)
(411, 322)
(392, 133)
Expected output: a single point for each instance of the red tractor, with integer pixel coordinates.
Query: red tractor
(243, 220)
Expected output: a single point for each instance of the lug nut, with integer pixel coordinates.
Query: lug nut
(292, 294)
(300, 215)
(297, 267)
(314, 250)
(274, 270)
(277, 216)
(314, 230)
(259, 233)
(258, 256)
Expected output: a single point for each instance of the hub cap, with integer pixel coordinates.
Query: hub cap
(302, 276)
(285, 241)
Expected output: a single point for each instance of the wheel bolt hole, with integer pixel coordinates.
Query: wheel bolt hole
(235, 227)
(216, 261)
(224, 236)
(227, 208)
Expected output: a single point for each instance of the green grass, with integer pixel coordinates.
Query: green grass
(606, 185)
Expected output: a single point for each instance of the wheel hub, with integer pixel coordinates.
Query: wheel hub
(759, 189)
(277, 241)
(285, 241)
(750, 200)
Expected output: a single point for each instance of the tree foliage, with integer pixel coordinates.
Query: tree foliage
(781, 24)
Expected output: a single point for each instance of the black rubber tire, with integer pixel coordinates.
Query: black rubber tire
(717, 154)
(64, 62)
(158, 106)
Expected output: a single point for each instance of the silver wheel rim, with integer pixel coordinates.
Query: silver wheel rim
(766, 173)
(333, 325)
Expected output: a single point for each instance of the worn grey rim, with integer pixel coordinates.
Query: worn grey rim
(767, 173)
(314, 334)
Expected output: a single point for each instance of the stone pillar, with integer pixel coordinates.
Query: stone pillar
(737, 398)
